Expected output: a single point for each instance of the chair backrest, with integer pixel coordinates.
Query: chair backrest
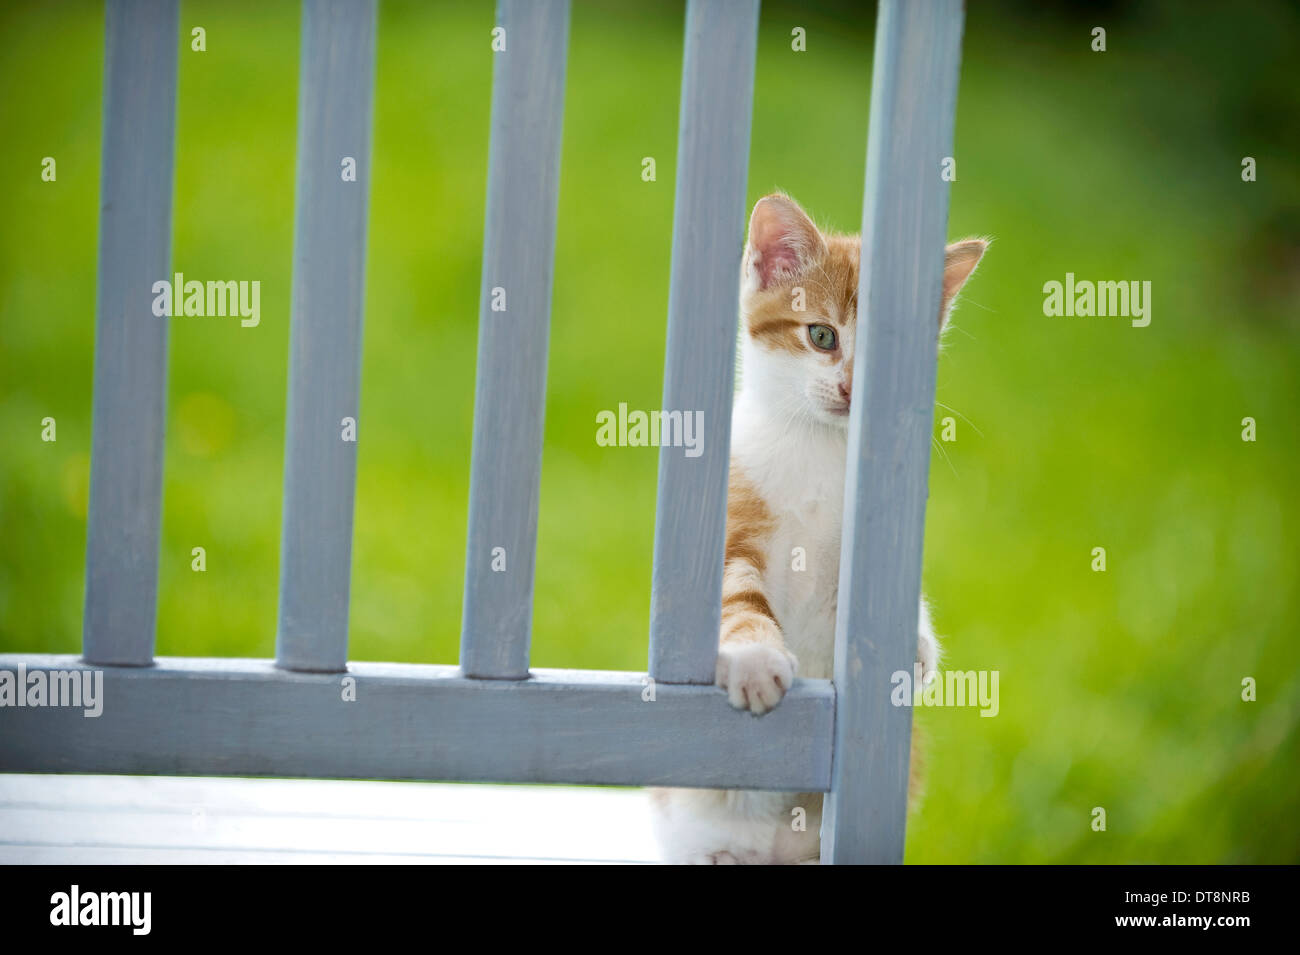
(310, 712)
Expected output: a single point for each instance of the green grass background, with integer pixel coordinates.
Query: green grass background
(1119, 689)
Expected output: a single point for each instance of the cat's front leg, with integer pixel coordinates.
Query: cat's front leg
(754, 666)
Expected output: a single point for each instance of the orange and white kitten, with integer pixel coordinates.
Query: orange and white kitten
(788, 445)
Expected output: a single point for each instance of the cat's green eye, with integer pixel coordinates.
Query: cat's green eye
(822, 336)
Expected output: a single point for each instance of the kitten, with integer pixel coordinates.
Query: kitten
(788, 446)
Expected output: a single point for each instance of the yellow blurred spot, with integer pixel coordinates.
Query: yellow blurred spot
(205, 424)
(76, 484)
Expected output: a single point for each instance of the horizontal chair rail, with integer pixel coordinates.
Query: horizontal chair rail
(237, 717)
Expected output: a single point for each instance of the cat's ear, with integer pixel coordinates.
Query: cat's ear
(783, 241)
(959, 262)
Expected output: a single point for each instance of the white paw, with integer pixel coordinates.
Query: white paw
(755, 675)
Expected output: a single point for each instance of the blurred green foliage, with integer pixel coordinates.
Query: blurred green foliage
(1119, 689)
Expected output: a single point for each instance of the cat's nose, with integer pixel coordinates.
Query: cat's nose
(846, 390)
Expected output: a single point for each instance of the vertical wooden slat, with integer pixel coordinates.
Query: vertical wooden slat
(913, 103)
(703, 302)
(141, 44)
(514, 319)
(334, 119)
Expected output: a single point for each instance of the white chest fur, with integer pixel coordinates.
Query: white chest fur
(799, 473)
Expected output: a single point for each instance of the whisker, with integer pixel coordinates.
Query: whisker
(942, 450)
(960, 415)
(986, 308)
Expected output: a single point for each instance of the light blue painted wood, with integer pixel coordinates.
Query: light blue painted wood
(135, 205)
(913, 104)
(190, 716)
(703, 305)
(250, 718)
(334, 119)
(514, 320)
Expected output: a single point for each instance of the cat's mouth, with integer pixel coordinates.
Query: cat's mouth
(838, 411)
